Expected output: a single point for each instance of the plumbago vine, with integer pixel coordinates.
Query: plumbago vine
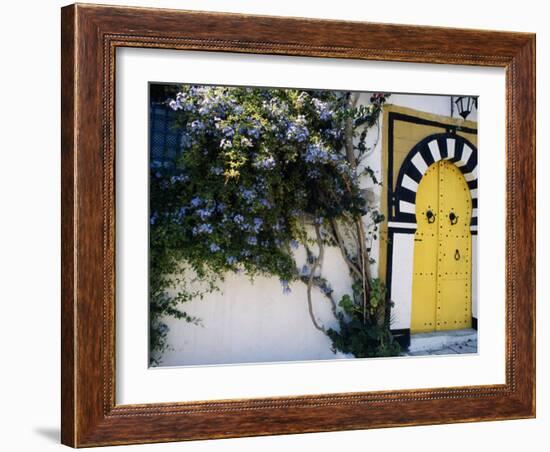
(262, 172)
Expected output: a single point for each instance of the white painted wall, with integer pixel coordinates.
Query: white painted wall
(255, 322)
(438, 105)
(402, 280)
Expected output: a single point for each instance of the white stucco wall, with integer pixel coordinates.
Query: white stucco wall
(255, 322)
(402, 280)
(438, 105)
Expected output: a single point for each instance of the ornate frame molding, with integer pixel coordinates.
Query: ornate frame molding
(90, 36)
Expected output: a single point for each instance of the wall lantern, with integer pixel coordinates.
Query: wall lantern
(465, 105)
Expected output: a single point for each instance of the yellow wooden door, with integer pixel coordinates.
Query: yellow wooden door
(442, 275)
(424, 303)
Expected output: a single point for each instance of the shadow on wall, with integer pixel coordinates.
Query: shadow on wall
(50, 433)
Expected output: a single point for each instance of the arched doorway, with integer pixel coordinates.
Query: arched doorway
(442, 268)
(406, 168)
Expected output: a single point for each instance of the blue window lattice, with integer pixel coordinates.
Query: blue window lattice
(164, 139)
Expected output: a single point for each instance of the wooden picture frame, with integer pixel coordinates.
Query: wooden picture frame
(90, 36)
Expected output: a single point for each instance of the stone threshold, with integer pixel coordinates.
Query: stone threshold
(443, 342)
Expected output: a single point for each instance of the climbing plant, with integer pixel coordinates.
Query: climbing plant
(262, 172)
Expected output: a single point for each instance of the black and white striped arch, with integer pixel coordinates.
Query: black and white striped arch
(444, 146)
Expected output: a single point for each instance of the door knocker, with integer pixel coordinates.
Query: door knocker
(457, 255)
(430, 216)
(453, 218)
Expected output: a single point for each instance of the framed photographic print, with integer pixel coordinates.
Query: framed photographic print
(281, 225)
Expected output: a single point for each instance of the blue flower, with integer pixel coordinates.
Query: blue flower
(197, 125)
(162, 328)
(154, 218)
(214, 247)
(204, 213)
(332, 134)
(228, 131)
(175, 104)
(326, 288)
(325, 115)
(264, 202)
(316, 153)
(254, 132)
(247, 194)
(286, 288)
(205, 228)
(322, 109)
(304, 271)
(252, 240)
(267, 163)
(238, 218)
(180, 213)
(294, 244)
(216, 170)
(196, 201)
(182, 97)
(179, 178)
(297, 131)
(258, 222)
(313, 173)
(343, 167)
(231, 260)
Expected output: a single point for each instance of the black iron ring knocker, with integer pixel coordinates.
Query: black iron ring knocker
(453, 218)
(430, 216)
(457, 255)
